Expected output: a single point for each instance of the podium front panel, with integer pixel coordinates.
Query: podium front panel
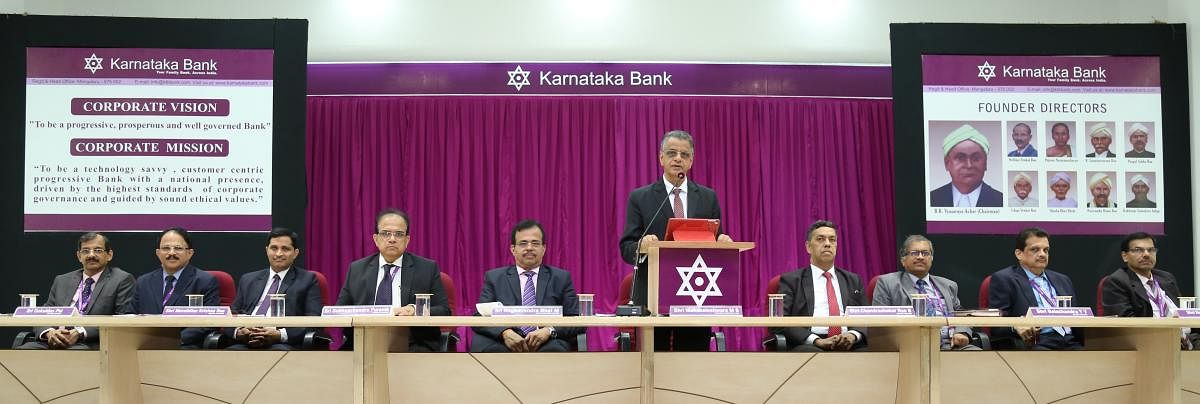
(698, 277)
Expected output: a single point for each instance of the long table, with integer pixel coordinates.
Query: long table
(1128, 360)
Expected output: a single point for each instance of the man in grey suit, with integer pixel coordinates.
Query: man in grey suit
(894, 289)
(528, 283)
(95, 289)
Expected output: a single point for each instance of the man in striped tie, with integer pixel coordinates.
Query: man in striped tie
(300, 287)
(95, 289)
(1138, 289)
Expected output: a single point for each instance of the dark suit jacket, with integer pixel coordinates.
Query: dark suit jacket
(701, 204)
(1029, 152)
(1106, 154)
(1124, 294)
(1011, 294)
(797, 287)
(417, 275)
(943, 197)
(303, 298)
(148, 296)
(110, 295)
(554, 288)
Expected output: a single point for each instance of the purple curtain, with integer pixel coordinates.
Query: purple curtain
(467, 168)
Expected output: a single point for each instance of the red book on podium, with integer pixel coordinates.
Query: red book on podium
(680, 229)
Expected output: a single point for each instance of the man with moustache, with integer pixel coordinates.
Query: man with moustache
(964, 153)
(821, 290)
(687, 200)
(1060, 184)
(1101, 138)
(895, 289)
(1061, 134)
(1100, 185)
(1021, 134)
(1141, 192)
(176, 278)
(1028, 284)
(303, 296)
(1138, 289)
(95, 289)
(1023, 195)
(528, 283)
(1138, 136)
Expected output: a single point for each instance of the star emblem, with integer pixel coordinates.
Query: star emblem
(518, 78)
(92, 64)
(986, 71)
(706, 284)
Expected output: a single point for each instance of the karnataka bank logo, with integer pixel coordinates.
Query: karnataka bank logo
(696, 286)
(518, 78)
(986, 71)
(93, 63)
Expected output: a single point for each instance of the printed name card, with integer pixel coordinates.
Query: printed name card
(549, 311)
(1060, 312)
(196, 311)
(53, 311)
(1187, 313)
(714, 310)
(365, 310)
(880, 311)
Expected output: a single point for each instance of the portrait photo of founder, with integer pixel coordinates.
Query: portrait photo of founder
(1060, 134)
(1100, 134)
(1022, 139)
(1141, 138)
(1060, 190)
(1022, 184)
(965, 149)
(1139, 194)
(1100, 187)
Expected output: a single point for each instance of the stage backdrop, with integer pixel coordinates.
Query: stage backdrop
(466, 168)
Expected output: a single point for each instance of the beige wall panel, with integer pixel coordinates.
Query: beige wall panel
(39, 371)
(1056, 375)
(850, 377)
(308, 377)
(573, 374)
(223, 375)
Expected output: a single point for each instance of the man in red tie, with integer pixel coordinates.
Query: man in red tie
(821, 290)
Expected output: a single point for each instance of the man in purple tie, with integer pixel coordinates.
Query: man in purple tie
(1138, 289)
(300, 287)
(95, 289)
(527, 283)
(169, 284)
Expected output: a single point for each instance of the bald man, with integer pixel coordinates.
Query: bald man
(964, 153)
(1101, 138)
(1100, 185)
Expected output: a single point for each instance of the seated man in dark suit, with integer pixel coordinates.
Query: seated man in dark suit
(1016, 288)
(895, 289)
(821, 290)
(528, 283)
(1139, 289)
(303, 296)
(394, 277)
(169, 284)
(95, 289)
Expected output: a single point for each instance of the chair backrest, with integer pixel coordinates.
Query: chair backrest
(626, 289)
(225, 283)
(773, 285)
(448, 286)
(983, 292)
(871, 289)
(1099, 294)
(324, 285)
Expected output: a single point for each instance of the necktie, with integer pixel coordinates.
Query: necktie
(528, 297)
(677, 205)
(831, 297)
(1156, 298)
(933, 303)
(383, 294)
(168, 289)
(85, 296)
(266, 300)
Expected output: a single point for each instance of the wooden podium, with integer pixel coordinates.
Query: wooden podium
(725, 257)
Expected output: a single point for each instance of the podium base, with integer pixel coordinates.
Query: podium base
(631, 310)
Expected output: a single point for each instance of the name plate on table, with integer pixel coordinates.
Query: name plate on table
(880, 311)
(365, 310)
(1060, 312)
(53, 311)
(716, 310)
(196, 311)
(1187, 313)
(549, 311)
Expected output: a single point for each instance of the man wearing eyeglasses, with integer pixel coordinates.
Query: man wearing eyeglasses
(895, 289)
(1016, 288)
(95, 289)
(1138, 289)
(169, 284)
(394, 277)
(687, 200)
(527, 283)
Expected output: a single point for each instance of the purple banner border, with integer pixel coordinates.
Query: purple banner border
(134, 222)
(1057, 228)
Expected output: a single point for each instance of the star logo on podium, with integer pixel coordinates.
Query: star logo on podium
(92, 64)
(518, 78)
(696, 286)
(986, 71)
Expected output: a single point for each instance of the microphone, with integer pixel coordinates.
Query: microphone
(630, 308)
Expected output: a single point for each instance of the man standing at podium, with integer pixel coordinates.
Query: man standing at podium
(1028, 283)
(687, 200)
(821, 290)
